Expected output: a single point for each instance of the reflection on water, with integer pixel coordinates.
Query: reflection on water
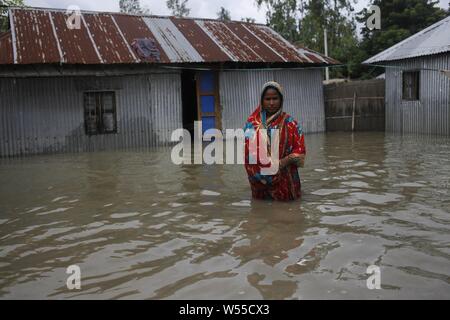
(140, 227)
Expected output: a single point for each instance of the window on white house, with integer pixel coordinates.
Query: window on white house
(411, 85)
(100, 112)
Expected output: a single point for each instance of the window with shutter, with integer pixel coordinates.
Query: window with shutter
(100, 112)
(411, 85)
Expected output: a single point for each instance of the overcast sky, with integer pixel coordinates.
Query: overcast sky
(199, 8)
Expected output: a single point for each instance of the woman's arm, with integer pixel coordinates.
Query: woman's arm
(297, 140)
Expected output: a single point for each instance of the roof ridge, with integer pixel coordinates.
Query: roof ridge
(130, 14)
(178, 39)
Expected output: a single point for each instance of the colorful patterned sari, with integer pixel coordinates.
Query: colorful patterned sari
(284, 185)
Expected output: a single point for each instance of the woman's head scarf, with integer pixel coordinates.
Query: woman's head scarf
(277, 87)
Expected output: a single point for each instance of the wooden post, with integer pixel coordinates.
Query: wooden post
(354, 108)
(325, 39)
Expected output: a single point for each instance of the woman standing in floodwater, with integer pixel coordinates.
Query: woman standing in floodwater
(285, 184)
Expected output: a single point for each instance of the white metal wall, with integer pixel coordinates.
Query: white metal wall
(45, 115)
(429, 115)
(240, 93)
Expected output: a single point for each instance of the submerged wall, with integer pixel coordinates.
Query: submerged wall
(431, 113)
(46, 115)
(240, 93)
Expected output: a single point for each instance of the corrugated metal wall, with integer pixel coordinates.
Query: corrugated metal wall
(240, 93)
(45, 115)
(429, 115)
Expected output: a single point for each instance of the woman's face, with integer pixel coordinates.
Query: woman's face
(271, 101)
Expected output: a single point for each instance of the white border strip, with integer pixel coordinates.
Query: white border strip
(125, 40)
(176, 46)
(61, 56)
(262, 59)
(202, 26)
(13, 34)
(285, 60)
(92, 39)
(287, 43)
(315, 54)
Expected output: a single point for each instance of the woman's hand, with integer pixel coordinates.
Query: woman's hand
(293, 158)
(298, 159)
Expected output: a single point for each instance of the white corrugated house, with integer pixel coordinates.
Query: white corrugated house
(417, 81)
(102, 81)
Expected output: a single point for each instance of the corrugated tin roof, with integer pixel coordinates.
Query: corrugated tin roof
(41, 36)
(432, 40)
(6, 52)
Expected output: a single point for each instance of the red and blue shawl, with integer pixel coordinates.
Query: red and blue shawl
(284, 185)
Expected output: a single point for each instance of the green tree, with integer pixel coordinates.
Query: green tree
(303, 23)
(281, 15)
(224, 14)
(132, 7)
(4, 4)
(336, 16)
(178, 7)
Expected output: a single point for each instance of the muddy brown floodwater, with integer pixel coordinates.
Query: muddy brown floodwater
(140, 227)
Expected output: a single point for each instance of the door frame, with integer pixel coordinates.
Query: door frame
(216, 93)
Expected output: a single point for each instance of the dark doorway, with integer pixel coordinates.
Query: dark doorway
(189, 96)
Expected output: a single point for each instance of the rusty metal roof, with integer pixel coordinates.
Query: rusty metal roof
(432, 40)
(41, 36)
(6, 53)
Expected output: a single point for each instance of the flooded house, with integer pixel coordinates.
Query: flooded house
(91, 81)
(417, 82)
